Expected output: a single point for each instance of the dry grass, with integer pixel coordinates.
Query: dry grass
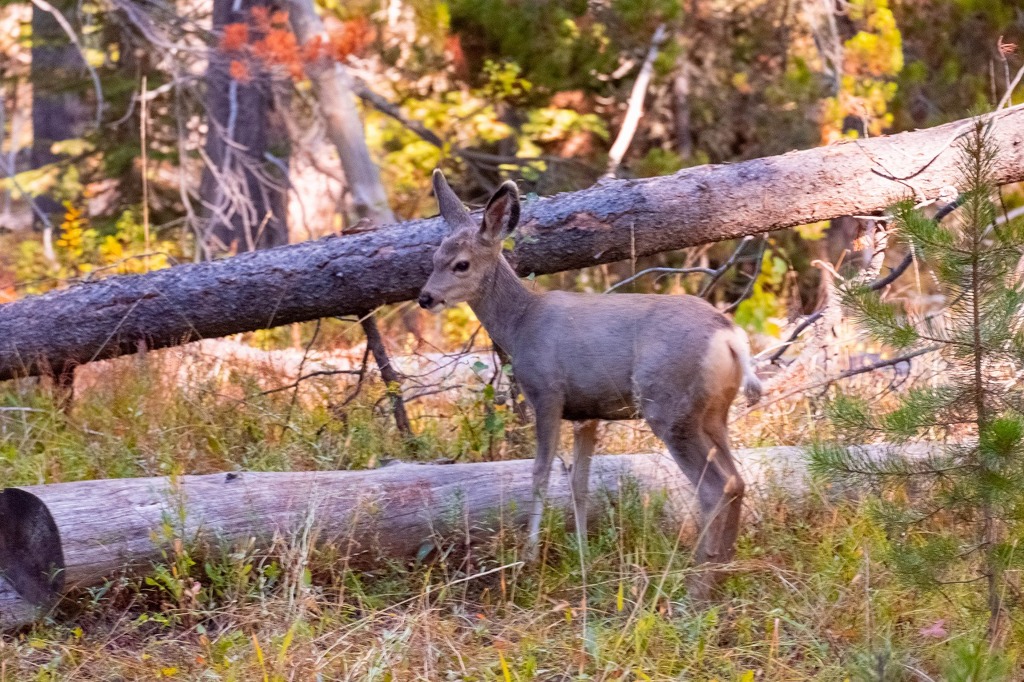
(809, 597)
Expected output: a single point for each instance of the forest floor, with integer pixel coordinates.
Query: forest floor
(809, 597)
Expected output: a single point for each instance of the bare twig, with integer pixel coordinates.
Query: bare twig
(717, 274)
(378, 102)
(881, 364)
(758, 264)
(1010, 88)
(475, 158)
(311, 375)
(363, 364)
(714, 274)
(877, 285)
(662, 270)
(302, 364)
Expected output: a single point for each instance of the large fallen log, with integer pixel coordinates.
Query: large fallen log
(59, 536)
(99, 528)
(611, 221)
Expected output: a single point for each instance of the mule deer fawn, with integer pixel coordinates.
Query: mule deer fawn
(675, 361)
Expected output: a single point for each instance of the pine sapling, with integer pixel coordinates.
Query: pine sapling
(956, 515)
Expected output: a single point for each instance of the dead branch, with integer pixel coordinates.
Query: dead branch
(881, 364)
(635, 108)
(391, 378)
(877, 285)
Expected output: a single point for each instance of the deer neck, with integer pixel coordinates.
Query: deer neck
(502, 302)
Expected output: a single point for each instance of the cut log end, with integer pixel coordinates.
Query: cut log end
(15, 610)
(31, 557)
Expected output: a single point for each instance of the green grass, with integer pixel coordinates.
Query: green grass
(808, 599)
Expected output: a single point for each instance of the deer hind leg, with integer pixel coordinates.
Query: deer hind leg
(548, 420)
(719, 491)
(584, 439)
(731, 502)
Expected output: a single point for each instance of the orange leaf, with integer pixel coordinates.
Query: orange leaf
(280, 48)
(313, 49)
(261, 18)
(351, 39)
(235, 37)
(239, 71)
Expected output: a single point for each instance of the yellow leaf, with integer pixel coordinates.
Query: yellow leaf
(288, 637)
(620, 598)
(259, 657)
(505, 672)
(170, 671)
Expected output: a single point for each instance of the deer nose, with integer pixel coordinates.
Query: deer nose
(426, 301)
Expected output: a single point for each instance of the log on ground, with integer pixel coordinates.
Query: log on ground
(614, 220)
(101, 528)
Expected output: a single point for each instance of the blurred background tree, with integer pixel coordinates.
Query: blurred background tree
(237, 157)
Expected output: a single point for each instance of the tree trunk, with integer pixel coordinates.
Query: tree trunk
(362, 177)
(613, 220)
(392, 379)
(59, 109)
(344, 127)
(243, 193)
(681, 107)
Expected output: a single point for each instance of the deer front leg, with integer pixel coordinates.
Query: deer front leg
(548, 419)
(584, 438)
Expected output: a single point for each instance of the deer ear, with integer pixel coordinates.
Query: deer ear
(502, 213)
(451, 208)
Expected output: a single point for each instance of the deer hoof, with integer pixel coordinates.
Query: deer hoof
(702, 587)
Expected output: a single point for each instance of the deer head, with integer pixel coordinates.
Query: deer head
(467, 257)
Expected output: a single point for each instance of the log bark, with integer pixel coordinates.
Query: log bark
(77, 534)
(611, 221)
(100, 528)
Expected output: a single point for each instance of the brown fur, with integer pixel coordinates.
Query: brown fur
(675, 361)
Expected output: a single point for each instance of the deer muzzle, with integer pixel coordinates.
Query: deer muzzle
(428, 302)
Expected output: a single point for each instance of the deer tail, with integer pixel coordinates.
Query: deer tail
(740, 346)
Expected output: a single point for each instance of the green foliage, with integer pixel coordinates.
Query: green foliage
(957, 510)
(763, 309)
(871, 59)
(882, 320)
(502, 81)
(975, 661)
(551, 41)
(82, 250)
(551, 124)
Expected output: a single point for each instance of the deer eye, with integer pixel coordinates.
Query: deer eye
(462, 266)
